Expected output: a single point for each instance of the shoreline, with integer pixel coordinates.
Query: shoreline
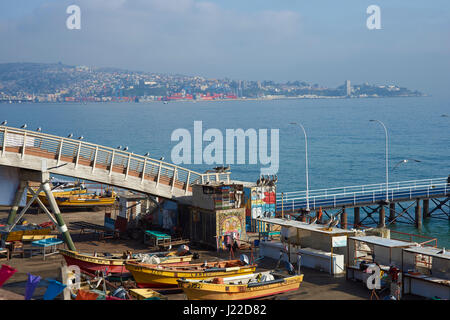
(215, 100)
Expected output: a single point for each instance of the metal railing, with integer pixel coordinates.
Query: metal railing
(353, 195)
(98, 157)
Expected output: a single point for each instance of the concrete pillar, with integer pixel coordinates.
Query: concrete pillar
(418, 215)
(344, 219)
(59, 219)
(357, 217)
(382, 223)
(14, 208)
(426, 208)
(392, 212)
(16, 203)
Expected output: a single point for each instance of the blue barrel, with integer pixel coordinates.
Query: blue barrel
(256, 243)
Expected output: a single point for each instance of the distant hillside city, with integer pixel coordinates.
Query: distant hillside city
(39, 82)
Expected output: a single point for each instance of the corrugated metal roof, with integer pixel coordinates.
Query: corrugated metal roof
(391, 243)
(430, 252)
(305, 226)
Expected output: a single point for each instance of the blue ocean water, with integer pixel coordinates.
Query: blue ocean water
(344, 148)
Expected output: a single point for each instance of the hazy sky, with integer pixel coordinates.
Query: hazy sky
(322, 41)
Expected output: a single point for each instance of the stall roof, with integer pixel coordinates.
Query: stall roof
(430, 252)
(383, 241)
(305, 226)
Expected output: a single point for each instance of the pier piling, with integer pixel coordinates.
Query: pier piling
(426, 208)
(418, 215)
(382, 223)
(392, 212)
(357, 217)
(344, 218)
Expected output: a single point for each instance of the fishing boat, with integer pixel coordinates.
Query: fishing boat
(74, 196)
(85, 200)
(19, 231)
(61, 190)
(242, 287)
(115, 263)
(166, 276)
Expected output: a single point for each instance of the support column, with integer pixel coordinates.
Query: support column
(54, 206)
(344, 218)
(392, 212)
(418, 215)
(426, 208)
(16, 203)
(14, 208)
(382, 223)
(357, 217)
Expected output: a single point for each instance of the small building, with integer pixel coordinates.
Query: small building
(426, 272)
(131, 207)
(319, 247)
(217, 214)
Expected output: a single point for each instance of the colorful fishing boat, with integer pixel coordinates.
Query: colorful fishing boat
(242, 287)
(115, 263)
(19, 231)
(165, 276)
(78, 196)
(146, 294)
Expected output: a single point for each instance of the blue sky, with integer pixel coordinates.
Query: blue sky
(321, 41)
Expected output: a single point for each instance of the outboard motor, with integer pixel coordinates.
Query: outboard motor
(120, 293)
(244, 259)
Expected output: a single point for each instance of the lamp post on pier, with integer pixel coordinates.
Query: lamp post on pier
(387, 165)
(306, 161)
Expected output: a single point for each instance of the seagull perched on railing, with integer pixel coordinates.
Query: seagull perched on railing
(161, 159)
(147, 154)
(119, 147)
(39, 129)
(24, 126)
(125, 149)
(80, 138)
(4, 123)
(70, 135)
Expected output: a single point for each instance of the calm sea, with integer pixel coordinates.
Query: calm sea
(344, 148)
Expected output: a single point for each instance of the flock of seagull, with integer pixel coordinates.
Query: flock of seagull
(267, 181)
(39, 129)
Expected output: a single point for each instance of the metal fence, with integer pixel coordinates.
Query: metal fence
(81, 153)
(365, 194)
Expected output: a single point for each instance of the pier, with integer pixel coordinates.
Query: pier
(399, 198)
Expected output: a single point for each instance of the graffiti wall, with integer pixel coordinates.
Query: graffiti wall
(259, 202)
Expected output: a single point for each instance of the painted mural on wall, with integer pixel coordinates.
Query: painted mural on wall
(260, 201)
(230, 224)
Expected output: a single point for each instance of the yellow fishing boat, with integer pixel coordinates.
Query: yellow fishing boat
(146, 294)
(250, 286)
(115, 263)
(78, 196)
(163, 276)
(85, 200)
(60, 192)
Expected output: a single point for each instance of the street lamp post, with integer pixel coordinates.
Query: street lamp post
(387, 168)
(306, 160)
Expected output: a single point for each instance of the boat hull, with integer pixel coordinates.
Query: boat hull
(152, 277)
(113, 266)
(210, 291)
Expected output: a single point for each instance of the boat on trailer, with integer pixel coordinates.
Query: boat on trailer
(242, 287)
